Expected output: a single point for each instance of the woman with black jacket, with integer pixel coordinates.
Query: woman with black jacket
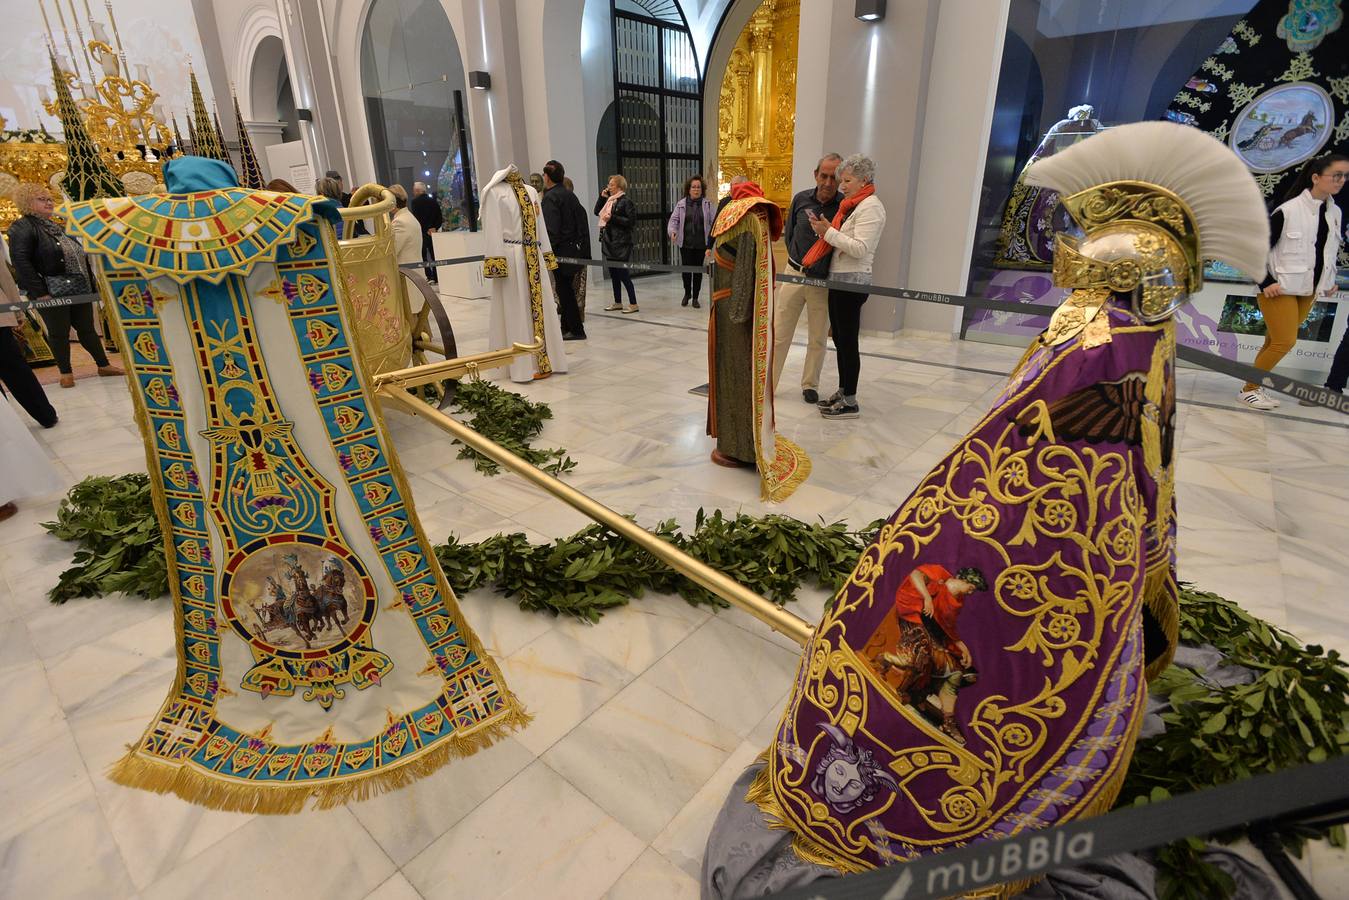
(41, 250)
(618, 216)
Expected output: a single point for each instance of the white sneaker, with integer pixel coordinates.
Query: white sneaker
(1257, 399)
(614, 307)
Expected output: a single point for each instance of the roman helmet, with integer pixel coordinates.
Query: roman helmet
(1147, 204)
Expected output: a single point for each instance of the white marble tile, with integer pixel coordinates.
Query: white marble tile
(313, 854)
(729, 679)
(47, 780)
(16, 649)
(641, 756)
(396, 888)
(652, 876)
(406, 821)
(684, 840)
(68, 855)
(560, 682)
(500, 623)
(536, 837)
(157, 833)
(30, 715)
(637, 635)
(57, 629)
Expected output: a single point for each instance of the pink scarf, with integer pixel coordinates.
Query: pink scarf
(609, 209)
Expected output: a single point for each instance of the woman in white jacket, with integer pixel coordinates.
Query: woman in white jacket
(1304, 235)
(852, 236)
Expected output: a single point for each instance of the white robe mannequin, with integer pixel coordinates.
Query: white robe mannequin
(518, 254)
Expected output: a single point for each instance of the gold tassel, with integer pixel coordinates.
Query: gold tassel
(137, 770)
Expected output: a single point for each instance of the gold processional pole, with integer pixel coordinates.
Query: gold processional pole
(393, 388)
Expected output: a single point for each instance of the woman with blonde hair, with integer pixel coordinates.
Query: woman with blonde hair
(330, 188)
(48, 263)
(618, 217)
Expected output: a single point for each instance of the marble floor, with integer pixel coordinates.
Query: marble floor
(642, 721)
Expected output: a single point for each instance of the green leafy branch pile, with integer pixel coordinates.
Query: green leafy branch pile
(121, 549)
(593, 570)
(512, 421)
(1296, 711)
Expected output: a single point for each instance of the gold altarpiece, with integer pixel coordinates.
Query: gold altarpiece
(756, 114)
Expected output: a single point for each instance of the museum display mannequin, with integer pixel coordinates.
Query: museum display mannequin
(517, 249)
(740, 345)
(983, 671)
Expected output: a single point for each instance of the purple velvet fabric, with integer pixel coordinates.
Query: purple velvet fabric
(1034, 536)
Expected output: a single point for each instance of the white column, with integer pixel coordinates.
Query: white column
(314, 84)
(878, 78)
(962, 89)
(812, 94)
(492, 40)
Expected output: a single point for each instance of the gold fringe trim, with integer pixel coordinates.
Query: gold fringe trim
(137, 770)
(784, 489)
(1160, 594)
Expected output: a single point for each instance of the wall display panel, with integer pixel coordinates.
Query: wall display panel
(1072, 68)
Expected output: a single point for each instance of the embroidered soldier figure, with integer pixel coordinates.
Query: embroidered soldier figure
(917, 649)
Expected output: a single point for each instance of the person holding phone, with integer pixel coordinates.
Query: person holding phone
(849, 242)
(1304, 235)
(618, 216)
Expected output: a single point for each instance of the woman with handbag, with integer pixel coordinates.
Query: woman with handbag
(51, 264)
(618, 216)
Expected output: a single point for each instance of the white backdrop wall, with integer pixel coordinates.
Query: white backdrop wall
(914, 92)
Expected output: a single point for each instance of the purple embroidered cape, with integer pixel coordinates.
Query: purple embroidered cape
(983, 670)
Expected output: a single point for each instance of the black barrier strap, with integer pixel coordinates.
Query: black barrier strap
(49, 303)
(632, 266)
(1311, 394)
(1032, 853)
(457, 261)
(1024, 309)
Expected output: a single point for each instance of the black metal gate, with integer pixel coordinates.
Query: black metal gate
(658, 115)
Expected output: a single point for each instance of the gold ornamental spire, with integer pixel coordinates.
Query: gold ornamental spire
(87, 175)
(205, 140)
(250, 173)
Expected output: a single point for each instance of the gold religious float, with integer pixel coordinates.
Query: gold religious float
(119, 109)
(392, 308)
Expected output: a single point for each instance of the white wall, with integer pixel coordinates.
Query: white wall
(914, 91)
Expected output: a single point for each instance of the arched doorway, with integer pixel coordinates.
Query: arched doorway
(270, 97)
(413, 85)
